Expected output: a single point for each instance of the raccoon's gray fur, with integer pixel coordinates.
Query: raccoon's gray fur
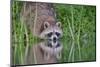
(44, 52)
(41, 19)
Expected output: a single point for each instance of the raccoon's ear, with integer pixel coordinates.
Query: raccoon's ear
(46, 25)
(58, 24)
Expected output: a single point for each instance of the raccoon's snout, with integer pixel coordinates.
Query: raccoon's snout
(54, 39)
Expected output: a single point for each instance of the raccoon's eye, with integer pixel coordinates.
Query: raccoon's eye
(49, 34)
(58, 34)
(57, 45)
(49, 45)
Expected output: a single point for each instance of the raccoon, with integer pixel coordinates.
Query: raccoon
(44, 52)
(52, 48)
(41, 20)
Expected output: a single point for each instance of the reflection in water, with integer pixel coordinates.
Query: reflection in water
(44, 52)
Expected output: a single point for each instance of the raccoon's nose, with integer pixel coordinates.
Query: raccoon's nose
(54, 39)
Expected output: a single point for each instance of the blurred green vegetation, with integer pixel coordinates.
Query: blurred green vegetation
(79, 33)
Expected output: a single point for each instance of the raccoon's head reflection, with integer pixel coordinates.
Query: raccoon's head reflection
(52, 31)
(52, 48)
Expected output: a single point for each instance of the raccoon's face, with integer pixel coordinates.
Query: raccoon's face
(51, 47)
(52, 32)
